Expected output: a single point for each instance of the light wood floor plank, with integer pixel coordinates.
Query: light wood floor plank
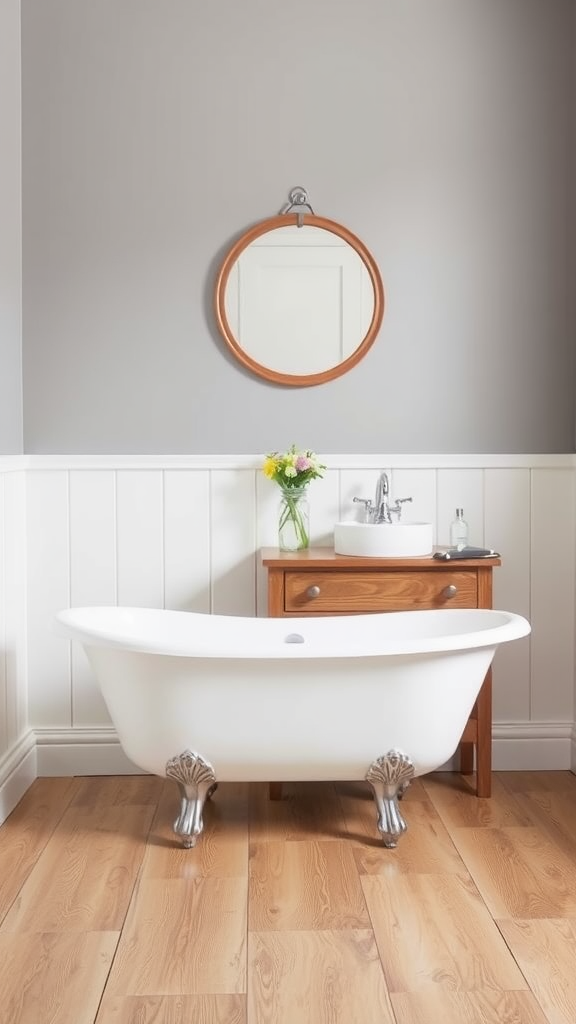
(226, 1009)
(116, 790)
(546, 952)
(319, 977)
(53, 977)
(434, 930)
(554, 812)
(307, 810)
(221, 852)
(450, 794)
(305, 885)
(529, 782)
(519, 872)
(484, 1007)
(24, 834)
(183, 938)
(85, 877)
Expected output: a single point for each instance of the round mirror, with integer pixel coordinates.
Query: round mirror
(299, 299)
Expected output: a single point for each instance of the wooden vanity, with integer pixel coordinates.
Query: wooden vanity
(317, 581)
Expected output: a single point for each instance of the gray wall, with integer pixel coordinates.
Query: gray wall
(572, 197)
(10, 232)
(437, 130)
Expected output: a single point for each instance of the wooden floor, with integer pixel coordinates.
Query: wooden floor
(290, 912)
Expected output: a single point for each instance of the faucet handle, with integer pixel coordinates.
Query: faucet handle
(396, 508)
(367, 502)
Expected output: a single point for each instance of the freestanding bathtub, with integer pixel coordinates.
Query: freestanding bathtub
(205, 699)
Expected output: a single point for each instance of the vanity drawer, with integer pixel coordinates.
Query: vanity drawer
(333, 592)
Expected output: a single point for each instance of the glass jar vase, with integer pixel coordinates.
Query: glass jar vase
(293, 519)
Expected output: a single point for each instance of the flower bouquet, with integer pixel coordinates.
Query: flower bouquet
(293, 471)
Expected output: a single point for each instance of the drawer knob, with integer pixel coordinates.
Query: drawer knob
(450, 591)
(313, 592)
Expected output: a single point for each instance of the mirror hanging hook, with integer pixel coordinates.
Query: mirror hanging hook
(298, 197)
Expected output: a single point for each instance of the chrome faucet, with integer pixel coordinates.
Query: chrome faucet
(381, 511)
(381, 506)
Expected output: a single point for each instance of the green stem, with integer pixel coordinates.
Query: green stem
(293, 513)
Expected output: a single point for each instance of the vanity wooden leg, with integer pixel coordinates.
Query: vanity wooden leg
(484, 745)
(468, 743)
(466, 758)
(275, 790)
(477, 739)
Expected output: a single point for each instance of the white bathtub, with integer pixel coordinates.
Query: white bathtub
(209, 698)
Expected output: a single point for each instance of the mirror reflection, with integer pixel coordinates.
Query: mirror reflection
(299, 299)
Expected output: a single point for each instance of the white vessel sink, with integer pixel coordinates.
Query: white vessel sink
(383, 540)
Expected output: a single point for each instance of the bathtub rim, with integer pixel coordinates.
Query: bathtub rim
(71, 624)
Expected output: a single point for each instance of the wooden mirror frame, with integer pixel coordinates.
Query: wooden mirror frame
(293, 379)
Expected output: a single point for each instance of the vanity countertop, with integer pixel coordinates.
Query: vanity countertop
(327, 558)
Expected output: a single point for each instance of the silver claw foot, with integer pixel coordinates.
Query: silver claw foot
(390, 777)
(196, 781)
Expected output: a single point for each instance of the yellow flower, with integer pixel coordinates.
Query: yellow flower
(270, 466)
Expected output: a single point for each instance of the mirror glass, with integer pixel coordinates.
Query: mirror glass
(299, 299)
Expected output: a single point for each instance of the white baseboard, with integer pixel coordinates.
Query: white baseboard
(517, 746)
(81, 752)
(532, 746)
(17, 773)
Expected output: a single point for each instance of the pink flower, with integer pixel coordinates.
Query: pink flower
(302, 463)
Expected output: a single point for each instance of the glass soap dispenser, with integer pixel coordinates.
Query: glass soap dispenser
(459, 530)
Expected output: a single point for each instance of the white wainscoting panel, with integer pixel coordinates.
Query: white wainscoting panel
(552, 595)
(48, 591)
(267, 500)
(139, 528)
(233, 542)
(93, 579)
(3, 648)
(187, 540)
(507, 530)
(17, 741)
(186, 533)
(325, 509)
(15, 624)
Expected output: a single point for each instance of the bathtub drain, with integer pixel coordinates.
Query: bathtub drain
(294, 638)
